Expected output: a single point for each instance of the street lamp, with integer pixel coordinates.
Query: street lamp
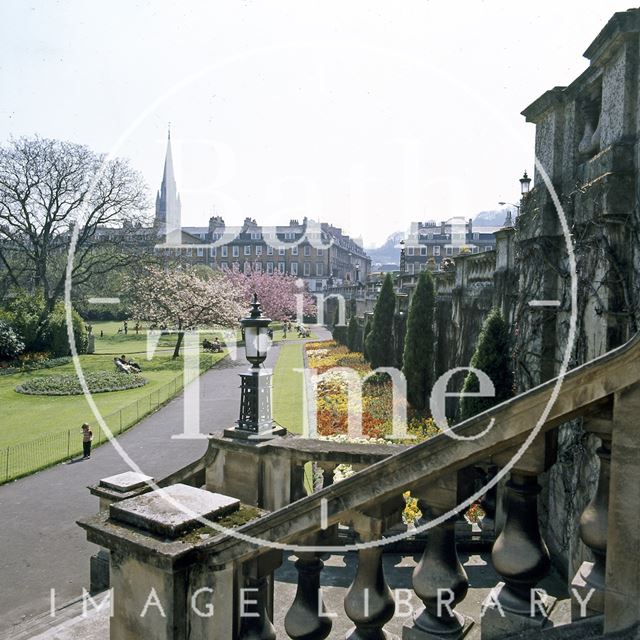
(525, 183)
(255, 420)
(403, 257)
(358, 271)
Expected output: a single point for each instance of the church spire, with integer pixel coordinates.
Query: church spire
(168, 209)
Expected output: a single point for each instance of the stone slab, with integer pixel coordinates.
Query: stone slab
(127, 481)
(172, 511)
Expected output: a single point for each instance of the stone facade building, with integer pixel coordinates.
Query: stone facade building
(429, 243)
(319, 253)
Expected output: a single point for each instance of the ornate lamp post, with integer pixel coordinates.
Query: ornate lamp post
(403, 259)
(525, 183)
(255, 420)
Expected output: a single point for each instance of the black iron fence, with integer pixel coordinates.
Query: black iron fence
(27, 457)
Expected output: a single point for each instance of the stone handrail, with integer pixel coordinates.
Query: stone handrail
(583, 391)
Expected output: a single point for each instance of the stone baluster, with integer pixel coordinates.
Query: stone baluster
(306, 619)
(439, 580)
(588, 585)
(519, 555)
(369, 603)
(256, 598)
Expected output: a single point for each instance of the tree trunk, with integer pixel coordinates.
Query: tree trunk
(176, 351)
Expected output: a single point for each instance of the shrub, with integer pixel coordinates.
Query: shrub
(352, 334)
(97, 381)
(58, 337)
(339, 334)
(365, 335)
(11, 345)
(492, 356)
(26, 314)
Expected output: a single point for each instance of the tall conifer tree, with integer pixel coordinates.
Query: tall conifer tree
(419, 344)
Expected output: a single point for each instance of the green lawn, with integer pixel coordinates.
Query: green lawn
(47, 428)
(287, 388)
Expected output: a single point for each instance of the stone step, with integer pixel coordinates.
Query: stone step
(69, 623)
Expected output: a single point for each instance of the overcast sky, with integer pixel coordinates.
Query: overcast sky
(367, 113)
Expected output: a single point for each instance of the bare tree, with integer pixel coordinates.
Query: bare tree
(47, 187)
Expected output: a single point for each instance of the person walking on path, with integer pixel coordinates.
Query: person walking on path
(87, 437)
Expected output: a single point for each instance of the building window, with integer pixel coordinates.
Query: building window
(412, 268)
(212, 252)
(475, 249)
(281, 267)
(319, 269)
(319, 252)
(235, 251)
(269, 267)
(224, 252)
(269, 250)
(409, 251)
(307, 268)
(259, 250)
(258, 267)
(200, 251)
(256, 236)
(476, 236)
(247, 249)
(247, 266)
(449, 251)
(189, 251)
(423, 251)
(318, 285)
(436, 250)
(281, 251)
(294, 251)
(307, 250)
(224, 266)
(488, 248)
(294, 268)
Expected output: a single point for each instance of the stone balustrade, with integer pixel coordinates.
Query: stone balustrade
(604, 392)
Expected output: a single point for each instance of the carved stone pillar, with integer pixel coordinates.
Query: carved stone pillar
(439, 579)
(521, 557)
(305, 619)
(588, 585)
(369, 603)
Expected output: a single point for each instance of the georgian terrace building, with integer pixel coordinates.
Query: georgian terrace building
(428, 243)
(319, 253)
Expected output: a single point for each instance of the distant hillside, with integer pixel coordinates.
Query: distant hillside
(388, 253)
(493, 218)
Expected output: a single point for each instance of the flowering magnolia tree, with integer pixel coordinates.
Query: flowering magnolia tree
(181, 299)
(276, 292)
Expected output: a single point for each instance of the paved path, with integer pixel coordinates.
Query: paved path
(43, 548)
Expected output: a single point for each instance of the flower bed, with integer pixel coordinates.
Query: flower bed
(377, 399)
(97, 381)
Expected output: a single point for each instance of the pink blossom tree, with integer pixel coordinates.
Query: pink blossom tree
(181, 299)
(276, 292)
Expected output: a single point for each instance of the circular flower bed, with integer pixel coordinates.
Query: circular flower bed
(97, 381)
